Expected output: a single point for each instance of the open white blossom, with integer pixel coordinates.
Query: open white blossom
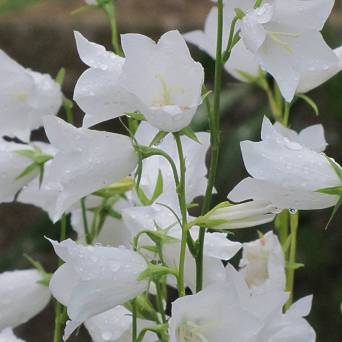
(26, 96)
(229, 311)
(241, 59)
(7, 335)
(244, 215)
(285, 37)
(164, 77)
(86, 161)
(287, 169)
(21, 297)
(160, 80)
(94, 279)
(263, 264)
(116, 325)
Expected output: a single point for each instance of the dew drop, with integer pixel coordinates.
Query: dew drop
(293, 211)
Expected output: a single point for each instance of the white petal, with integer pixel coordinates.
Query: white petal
(303, 14)
(301, 308)
(313, 137)
(87, 161)
(7, 335)
(281, 197)
(217, 245)
(95, 55)
(21, 297)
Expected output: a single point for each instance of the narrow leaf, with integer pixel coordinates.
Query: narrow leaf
(337, 207)
(31, 168)
(310, 102)
(190, 134)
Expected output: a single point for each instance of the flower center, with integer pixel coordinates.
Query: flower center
(190, 332)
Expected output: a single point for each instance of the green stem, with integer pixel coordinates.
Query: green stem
(231, 42)
(110, 10)
(85, 221)
(159, 301)
(134, 322)
(294, 219)
(282, 224)
(214, 123)
(183, 208)
(60, 310)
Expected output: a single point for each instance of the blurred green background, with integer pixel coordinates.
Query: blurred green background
(38, 34)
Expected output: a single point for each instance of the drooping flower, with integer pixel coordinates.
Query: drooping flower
(21, 297)
(229, 311)
(243, 215)
(7, 335)
(286, 40)
(287, 169)
(262, 263)
(94, 279)
(160, 80)
(241, 59)
(26, 96)
(86, 161)
(116, 325)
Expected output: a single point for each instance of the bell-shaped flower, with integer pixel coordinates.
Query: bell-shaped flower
(165, 79)
(86, 161)
(287, 41)
(158, 218)
(241, 60)
(99, 91)
(115, 325)
(230, 311)
(113, 231)
(262, 263)
(7, 335)
(195, 163)
(250, 214)
(21, 297)
(94, 279)
(26, 96)
(12, 166)
(287, 169)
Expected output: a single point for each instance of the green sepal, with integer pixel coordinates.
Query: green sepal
(60, 76)
(144, 308)
(136, 116)
(294, 265)
(160, 330)
(310, 102)
(46, 277)
(239, 13)
(158, 138)
(155, 272)
(190, 134)
(337, 168)
(117, 188)
(29, 169)
(336, 190)
(333, 214)
(158, 190)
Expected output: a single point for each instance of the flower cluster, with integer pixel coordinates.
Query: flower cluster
(129, 196)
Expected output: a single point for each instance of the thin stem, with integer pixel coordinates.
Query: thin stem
(110, 10)
(60, 311)
(282, 224)
(183, 208)
(134, 321)
(231, 42)
(214, 123)
(159, 301)
(85, 221)
(292, 258)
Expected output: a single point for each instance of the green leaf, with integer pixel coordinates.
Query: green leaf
(145, 309)
(336, 190)
(337, 168)
(31, 168)
(156, 193)
(60, 76)
(190, 134)
(310, 102)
